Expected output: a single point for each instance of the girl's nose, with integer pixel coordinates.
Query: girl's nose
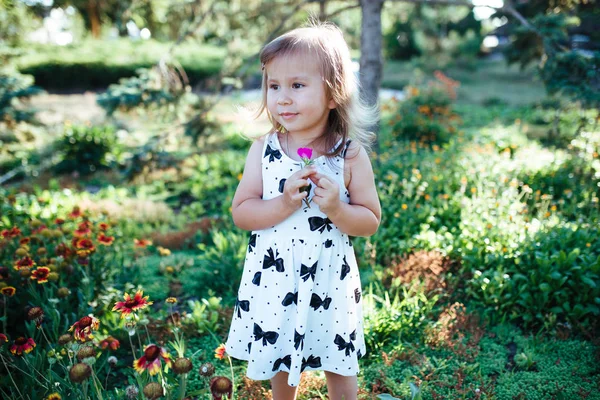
(283, 99)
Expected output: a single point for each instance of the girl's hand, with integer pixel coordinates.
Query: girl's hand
(292, 197)
(327, 194)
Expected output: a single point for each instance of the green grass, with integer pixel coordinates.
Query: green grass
(485, 80)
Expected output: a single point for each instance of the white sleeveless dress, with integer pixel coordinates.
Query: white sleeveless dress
(299, 304)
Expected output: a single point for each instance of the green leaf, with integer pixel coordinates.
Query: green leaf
(386, 396)
(589, 282)
(556, 275)
(544, 287)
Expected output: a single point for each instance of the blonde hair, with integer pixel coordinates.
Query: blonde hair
(324, 42)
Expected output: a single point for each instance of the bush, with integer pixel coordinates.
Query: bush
(86, 149)
(97, 64)
(426, 115)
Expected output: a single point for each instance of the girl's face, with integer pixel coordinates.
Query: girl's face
(296, 96)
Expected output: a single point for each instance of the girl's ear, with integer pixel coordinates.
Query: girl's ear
(331, 105)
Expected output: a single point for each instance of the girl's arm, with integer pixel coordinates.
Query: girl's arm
(249, 211)
(362, 216)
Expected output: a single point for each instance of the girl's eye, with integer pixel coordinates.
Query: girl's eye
(274, 86)
(297, 85)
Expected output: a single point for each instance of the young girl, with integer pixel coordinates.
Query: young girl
(299, 302)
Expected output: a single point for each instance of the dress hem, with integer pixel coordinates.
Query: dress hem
(323, 367)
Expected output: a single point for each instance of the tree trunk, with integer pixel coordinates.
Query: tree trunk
(322, 10)
(371, 57)
(94, 16)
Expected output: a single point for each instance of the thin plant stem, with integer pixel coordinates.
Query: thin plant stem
(96, 382)
(232, 378)
(33, 369)
(11, 377)
(140, 343)
(4, 320)
(131, 343)
(147, 334)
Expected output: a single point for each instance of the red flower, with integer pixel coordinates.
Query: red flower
(25, 262)
(59, 221)
(75, 213)
(85, 244)
(84, 327)
(110, 342)
(3, 338)
(150, 361)
(105, 240)
(41, 274)
(142, 242)
(103, 226)
(130, 305)
(220, 352)
(8, 291)
(39, 229)
(63, 250)
(24, 240)
(22, 345)
(11, 233)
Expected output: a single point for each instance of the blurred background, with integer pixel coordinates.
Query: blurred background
(123, 131)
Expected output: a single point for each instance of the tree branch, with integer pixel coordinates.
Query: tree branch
(341, 10)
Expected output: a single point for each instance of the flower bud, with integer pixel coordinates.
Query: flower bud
(207, 369)
(85, 352)
(64, 339)
(80, 372)
(132, 392)
(182, 366)
(63, 292)
(21, 252)
(52, 276)
(25, 272)
(153, 390)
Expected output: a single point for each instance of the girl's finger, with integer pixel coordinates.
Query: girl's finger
(324, 182)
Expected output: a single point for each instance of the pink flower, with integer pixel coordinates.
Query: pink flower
(305, 153)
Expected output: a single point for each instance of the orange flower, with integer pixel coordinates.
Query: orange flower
(220, 352)
(105, 240)
(142, 242)
(22, 345)
(150, 361)
(8, 291)
(110, 342)
(41, 274)
(131, 305)
(25, 262)
(84, 328)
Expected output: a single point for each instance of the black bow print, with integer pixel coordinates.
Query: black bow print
(281, 185)
(345, 149)
(342, 345)
(312, 362)
(345, 269)
(252, 242)
(359, 354)
(290, 298)
(273, 154)
(298, 340)
(287, 361)
(269, 336)
(306, 272)
(249, 347)
(241, 305)
(320, 224)
(271, 261)
(316, 302)
(256, 279)
(356, 295)
(328, 243)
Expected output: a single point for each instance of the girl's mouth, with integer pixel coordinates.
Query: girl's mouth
(288, 116)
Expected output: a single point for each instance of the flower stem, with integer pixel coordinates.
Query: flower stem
(4, 320)
(96, 381)
(182, 386)
(10, 375)
(232, 378)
